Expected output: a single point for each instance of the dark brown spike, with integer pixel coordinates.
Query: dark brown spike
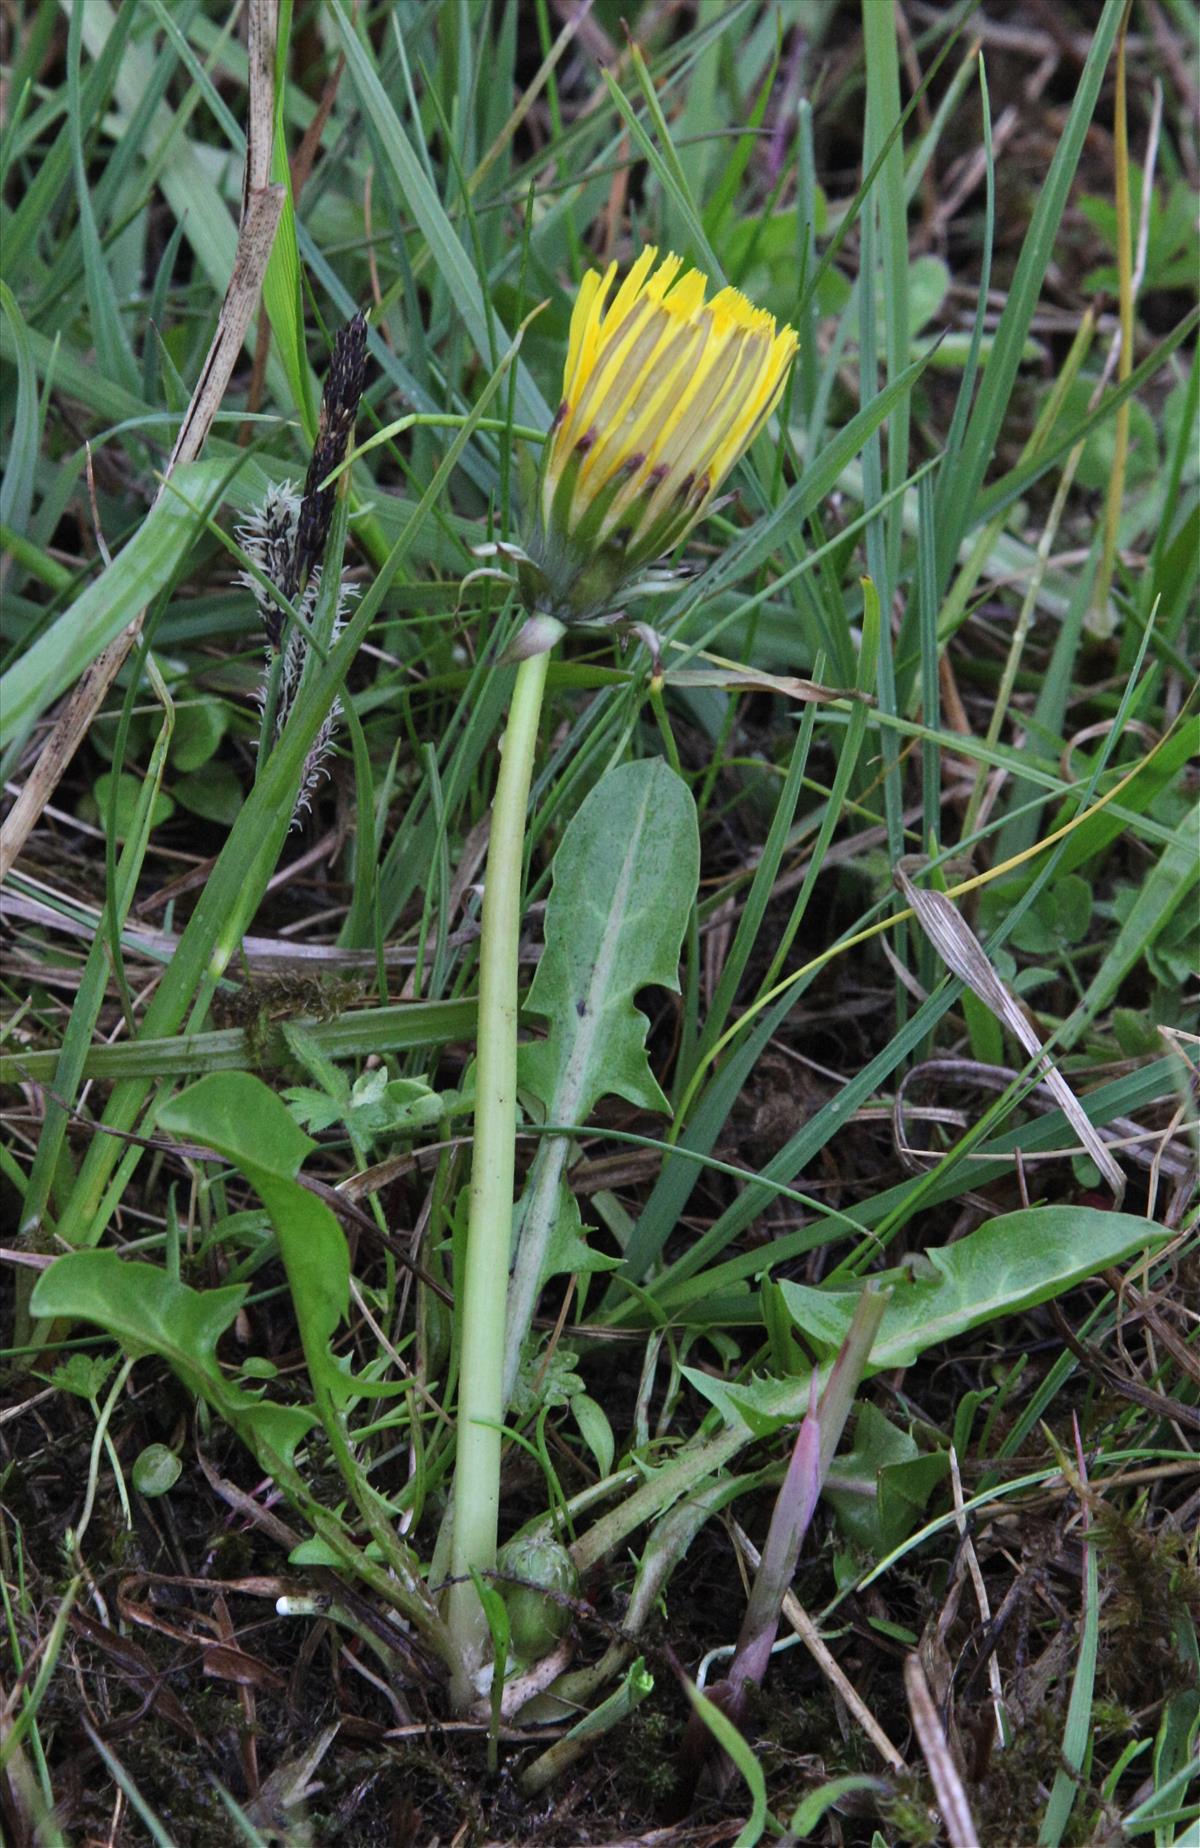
(335, 426)
(347, 368)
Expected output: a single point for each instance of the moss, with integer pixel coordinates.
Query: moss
(649, 1750)
(1153, 1589)
(909, 1813)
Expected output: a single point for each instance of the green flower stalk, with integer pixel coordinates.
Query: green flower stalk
(662, 394)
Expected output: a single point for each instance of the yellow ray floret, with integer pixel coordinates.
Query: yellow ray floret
(662, 393)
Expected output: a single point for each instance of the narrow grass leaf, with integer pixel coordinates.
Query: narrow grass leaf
(958, 490)
(882, 113)
(665, 163)
(465, 286)
(1077, 1733)
(20, 462)
(282, 294)
(357, 1033)
(738, 1748)
(1172, 880)
(143, 568)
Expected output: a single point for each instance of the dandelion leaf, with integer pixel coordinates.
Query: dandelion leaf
(1010, 1263)
(625, 877)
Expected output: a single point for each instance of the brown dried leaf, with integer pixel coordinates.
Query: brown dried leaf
(964, 955)
(752, 680)
(224, 1662)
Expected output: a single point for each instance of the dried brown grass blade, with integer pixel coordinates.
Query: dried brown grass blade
(752, 680)
(951, 1797)
(964, 955)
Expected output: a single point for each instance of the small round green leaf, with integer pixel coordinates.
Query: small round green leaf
(127, 789)
(156, 1470)
(199, 728)
(214, 793)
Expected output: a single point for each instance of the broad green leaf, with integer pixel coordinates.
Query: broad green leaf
(149, 1312)
(119, 799)
(372, 1110)
(146, 1310)
(595, 1430)
(241, 1119)
(625, 878)
(880, 1488)
(214, 793)
(83, 1374)
(1011, 1263)
(1050, 1250)
(200, 725)
(751, 1405)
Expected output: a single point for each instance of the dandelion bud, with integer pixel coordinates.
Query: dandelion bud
(536, 1620)
(663, 392)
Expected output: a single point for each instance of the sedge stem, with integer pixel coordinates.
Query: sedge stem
(489, 1233)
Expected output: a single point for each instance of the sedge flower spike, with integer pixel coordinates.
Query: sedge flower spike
(663, 392)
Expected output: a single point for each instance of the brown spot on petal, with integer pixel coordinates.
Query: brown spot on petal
(658, 474)
(685, 487)
(634, 462)
(560, 415)
(587, 441)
